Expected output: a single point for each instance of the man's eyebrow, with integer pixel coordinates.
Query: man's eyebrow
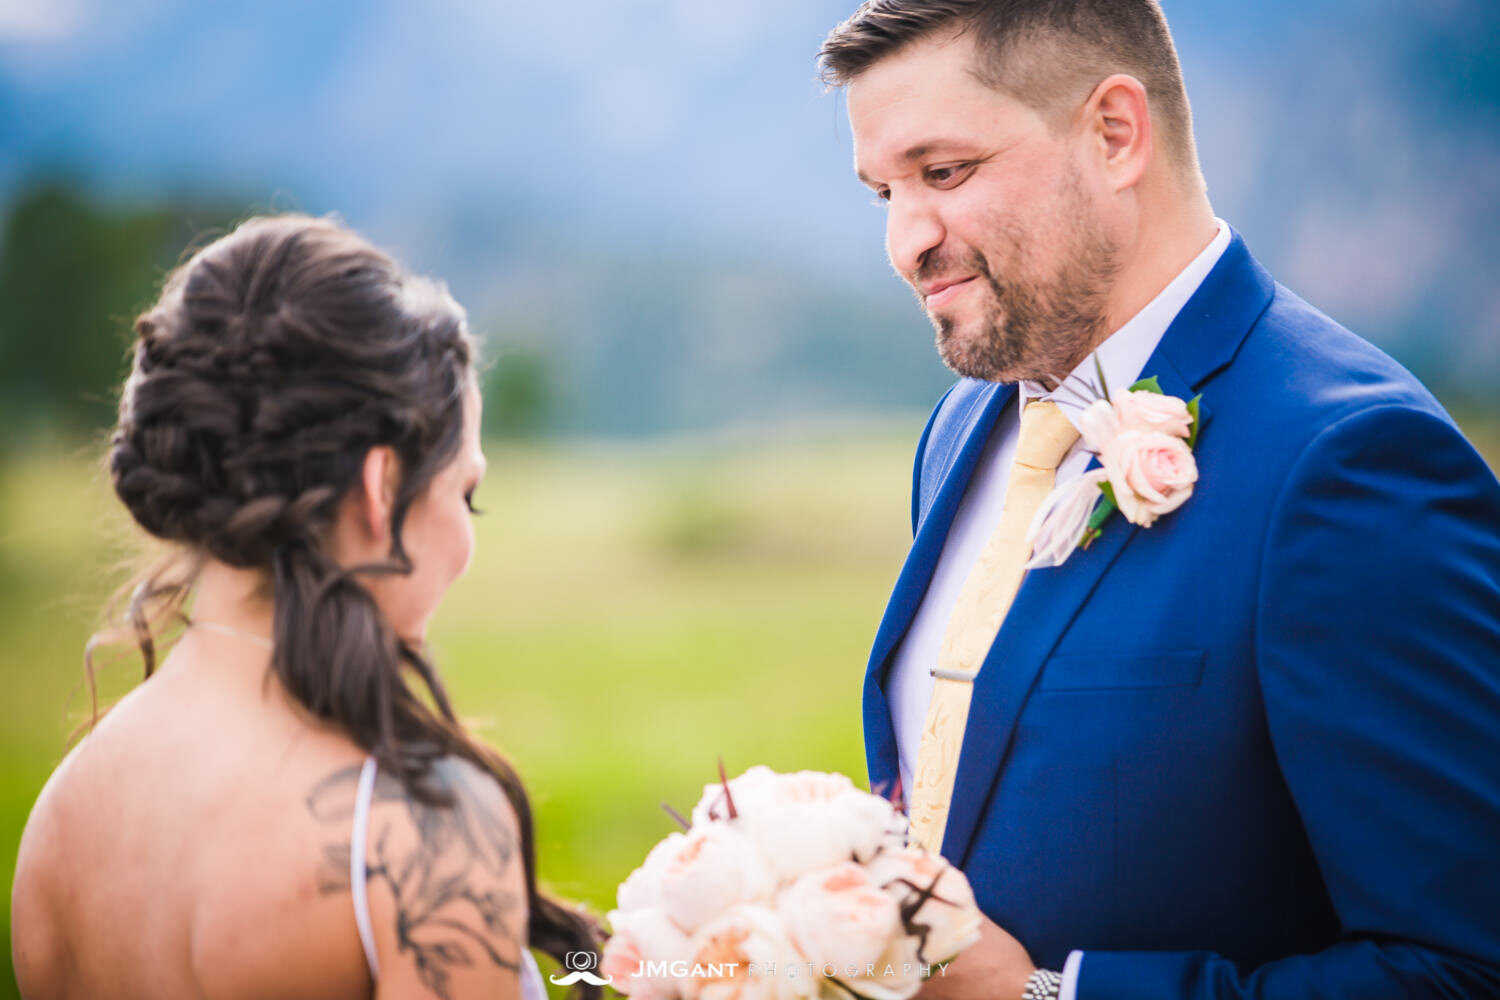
(917, 152)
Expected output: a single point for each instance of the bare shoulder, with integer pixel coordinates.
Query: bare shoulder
(38, 945)
(446, 883)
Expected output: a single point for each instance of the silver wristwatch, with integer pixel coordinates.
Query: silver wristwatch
(1044, 984)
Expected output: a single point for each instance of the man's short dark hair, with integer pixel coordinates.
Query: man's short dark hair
(1048, 54)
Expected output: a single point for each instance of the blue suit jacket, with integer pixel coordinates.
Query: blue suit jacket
(1253, 750)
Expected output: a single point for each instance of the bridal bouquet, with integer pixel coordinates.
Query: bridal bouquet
(787, 887)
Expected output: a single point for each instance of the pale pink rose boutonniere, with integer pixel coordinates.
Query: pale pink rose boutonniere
(1144, 440)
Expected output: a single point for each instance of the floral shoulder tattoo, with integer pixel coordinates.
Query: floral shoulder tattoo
(448, 868)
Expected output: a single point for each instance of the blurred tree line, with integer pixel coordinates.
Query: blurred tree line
(73, 275)
(75, 272)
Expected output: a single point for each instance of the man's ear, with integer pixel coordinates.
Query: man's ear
(380, 477)
(1118, 117)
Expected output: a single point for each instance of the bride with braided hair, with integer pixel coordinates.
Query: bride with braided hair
(288, 806)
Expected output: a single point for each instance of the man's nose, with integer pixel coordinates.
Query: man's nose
(912, 228)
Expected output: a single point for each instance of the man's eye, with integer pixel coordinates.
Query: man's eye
(882, 197)
(469, 502)
(949, 175)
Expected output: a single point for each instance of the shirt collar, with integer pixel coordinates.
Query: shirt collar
(1125, 352)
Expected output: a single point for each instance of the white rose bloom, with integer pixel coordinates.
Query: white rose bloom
(641, 937)
(950, 916)
(895, 975)
(746, 788)
(641, 890)
(709, 869)
(837, 915)
(811, 820)
(746, 954)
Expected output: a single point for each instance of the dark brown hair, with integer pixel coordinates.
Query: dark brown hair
(275, 359)
(1048, 54)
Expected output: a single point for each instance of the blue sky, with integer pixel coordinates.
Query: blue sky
(1356, 145)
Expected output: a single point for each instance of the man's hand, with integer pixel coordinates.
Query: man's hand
(995, 967)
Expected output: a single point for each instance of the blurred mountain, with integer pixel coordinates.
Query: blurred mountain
(654, 200)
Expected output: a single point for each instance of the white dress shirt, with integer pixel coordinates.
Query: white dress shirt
(1122, 356)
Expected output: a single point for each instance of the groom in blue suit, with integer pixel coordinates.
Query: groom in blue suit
(1251, 750)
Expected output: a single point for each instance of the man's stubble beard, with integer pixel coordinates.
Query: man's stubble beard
(1038, 329)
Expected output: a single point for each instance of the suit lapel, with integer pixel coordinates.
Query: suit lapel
(958, 451)
(1200, 341)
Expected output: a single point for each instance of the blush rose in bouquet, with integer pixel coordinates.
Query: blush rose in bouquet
(787, 887)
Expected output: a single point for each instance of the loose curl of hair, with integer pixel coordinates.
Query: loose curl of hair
(275, 359)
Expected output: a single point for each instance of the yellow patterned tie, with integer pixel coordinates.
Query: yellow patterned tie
(1046, 436)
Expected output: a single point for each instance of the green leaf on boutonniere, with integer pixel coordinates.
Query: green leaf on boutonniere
(1106, 507)
(1148, 385)
(1192, 408)
(1103, 385)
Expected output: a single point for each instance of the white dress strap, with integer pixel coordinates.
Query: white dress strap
(532, 986)
(358, 841)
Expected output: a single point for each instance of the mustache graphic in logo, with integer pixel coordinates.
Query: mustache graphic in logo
(578, 974)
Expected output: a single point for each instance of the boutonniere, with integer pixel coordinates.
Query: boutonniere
(1144, 441)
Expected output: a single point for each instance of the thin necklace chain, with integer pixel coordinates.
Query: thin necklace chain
(234, 633)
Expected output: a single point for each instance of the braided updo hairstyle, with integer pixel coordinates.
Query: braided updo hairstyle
(275, 359)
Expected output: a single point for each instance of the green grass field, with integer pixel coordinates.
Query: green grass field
(633, 612)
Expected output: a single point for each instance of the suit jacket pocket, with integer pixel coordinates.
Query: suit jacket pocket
(1105, 671)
